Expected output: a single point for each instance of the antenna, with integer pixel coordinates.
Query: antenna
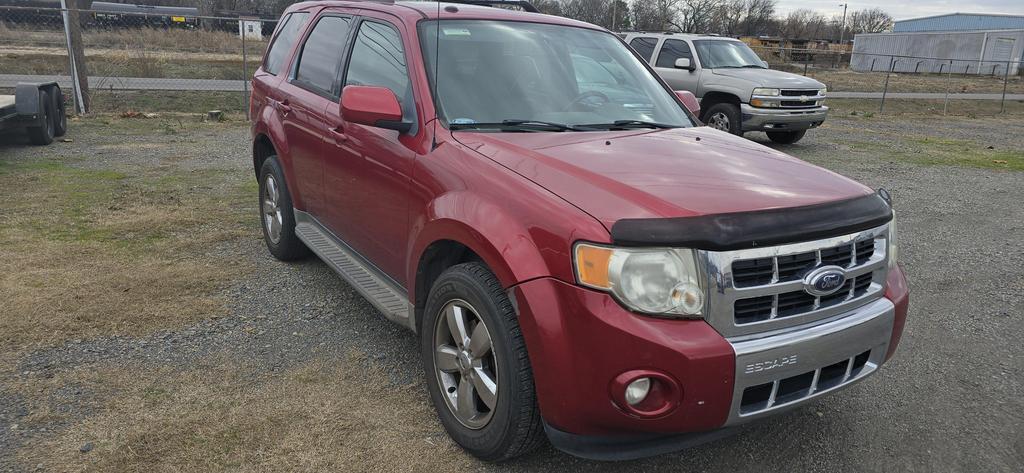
(437, 69)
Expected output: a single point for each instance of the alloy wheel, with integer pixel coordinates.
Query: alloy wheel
(719, 121)
(272, 218)
(465, 364)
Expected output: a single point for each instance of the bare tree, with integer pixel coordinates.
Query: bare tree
(697, 16)
(759, 17)
(654, 15)
(731, 14)
(872, 20)
(804, 24)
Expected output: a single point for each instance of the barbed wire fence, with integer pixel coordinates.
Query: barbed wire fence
(138, 61)
(155, 62)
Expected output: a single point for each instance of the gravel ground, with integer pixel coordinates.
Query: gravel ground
(950, 400)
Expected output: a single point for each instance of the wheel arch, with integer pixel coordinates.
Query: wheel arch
(716, 97)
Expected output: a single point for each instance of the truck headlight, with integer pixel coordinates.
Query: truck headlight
(891, 249)
(767, 92)
(663, 282)
(822, 92)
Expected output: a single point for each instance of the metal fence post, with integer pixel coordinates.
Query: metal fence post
(1006, 78)
(949, 77)
(245, 72)
(885, 89)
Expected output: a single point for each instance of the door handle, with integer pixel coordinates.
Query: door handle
(284, 107)
(339, 134)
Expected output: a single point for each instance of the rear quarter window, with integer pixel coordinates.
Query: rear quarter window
(290, 28)
(644, 46)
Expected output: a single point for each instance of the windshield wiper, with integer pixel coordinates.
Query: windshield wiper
(519, 125)
(755, 66)
(629, 124)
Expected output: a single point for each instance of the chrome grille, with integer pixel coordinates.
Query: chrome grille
(786, 390)
(762, 289)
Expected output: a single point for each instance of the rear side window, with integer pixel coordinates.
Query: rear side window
(320, 61)
(673, 49)
(644, 46)
(277, 56)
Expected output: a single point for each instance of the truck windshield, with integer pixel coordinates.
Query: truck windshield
(715, 54)
(516, 76)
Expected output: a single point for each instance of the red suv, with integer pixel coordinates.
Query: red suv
(582, 260)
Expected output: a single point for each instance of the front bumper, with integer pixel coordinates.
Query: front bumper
(580, 340)
(781, 119)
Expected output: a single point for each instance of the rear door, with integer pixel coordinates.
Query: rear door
(311, 89)
(367, 169)
(665, 65)
(644, 46)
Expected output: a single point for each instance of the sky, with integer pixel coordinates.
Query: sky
(903, 9)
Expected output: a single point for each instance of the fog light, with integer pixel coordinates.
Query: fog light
(637, 391)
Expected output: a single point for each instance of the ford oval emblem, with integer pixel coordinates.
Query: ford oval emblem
(824, 281)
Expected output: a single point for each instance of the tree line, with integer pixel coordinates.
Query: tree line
(723, 17)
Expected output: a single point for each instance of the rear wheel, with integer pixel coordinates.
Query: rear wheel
(725, 117)
(477, 369)
(60, 117)
(786, 137)
(42, 134)
(277, 216)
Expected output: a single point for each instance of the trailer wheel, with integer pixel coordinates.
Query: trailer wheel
(43, 134)
(60, 116)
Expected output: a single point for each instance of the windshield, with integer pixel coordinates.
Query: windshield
(516, 76)
(716, 54)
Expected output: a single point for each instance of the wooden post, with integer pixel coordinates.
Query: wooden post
(79, 68)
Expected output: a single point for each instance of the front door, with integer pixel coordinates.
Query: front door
(665, 64)
(367, 169)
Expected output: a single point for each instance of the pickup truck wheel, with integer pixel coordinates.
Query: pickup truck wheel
(277, 217)
(477, 369)
(725, 117)
(786, 137)
(43, 134)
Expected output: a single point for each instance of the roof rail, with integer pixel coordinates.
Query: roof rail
(524, 4)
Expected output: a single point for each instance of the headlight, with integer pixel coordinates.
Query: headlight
(767, 92)
(652, 281)
(892, 250)
(822, 92)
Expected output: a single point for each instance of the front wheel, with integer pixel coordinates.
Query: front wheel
(725, 117)
(477, 369)
(786, 137)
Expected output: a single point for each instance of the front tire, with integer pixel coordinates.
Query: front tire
(277, 217)
(725, 117)
(477, 369)
(786, 137)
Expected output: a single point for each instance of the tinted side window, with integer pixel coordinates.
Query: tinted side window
(673, 49)
(320, 61)
(378, 58)
(644, 46)
(278, 54)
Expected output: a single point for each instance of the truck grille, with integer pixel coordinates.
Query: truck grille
(762, 289)
(811, 94)
(799, 92)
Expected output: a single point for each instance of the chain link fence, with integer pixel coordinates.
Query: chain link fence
(142, 62)
(138, 61)
(933, 83)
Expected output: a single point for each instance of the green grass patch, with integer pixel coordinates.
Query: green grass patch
(946, 152)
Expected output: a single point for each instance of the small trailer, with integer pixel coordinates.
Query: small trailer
(38, 109)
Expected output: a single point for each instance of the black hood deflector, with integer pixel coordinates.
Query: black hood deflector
(741, 230)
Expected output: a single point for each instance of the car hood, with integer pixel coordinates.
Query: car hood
(770, 78)
(679, 172)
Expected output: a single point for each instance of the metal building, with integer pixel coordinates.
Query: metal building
(959, 42)
(960, 22)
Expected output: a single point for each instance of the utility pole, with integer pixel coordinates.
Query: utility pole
(842, 29)
(615, 13)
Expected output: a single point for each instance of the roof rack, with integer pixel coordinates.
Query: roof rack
(525, 5)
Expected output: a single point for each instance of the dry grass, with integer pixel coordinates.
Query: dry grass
(87, 252)
(850, 81)
(172, 39)
(342, 416)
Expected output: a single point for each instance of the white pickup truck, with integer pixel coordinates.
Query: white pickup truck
(737, 91)
(36, 109)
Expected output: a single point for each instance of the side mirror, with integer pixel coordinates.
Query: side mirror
(689, 100)
(765, 64)
(684, 63)
(373, 106)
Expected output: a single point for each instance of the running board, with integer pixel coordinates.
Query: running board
(390, 299)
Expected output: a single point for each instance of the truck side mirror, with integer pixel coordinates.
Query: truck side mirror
(373, 106)
(689, 100)
(684, 63)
